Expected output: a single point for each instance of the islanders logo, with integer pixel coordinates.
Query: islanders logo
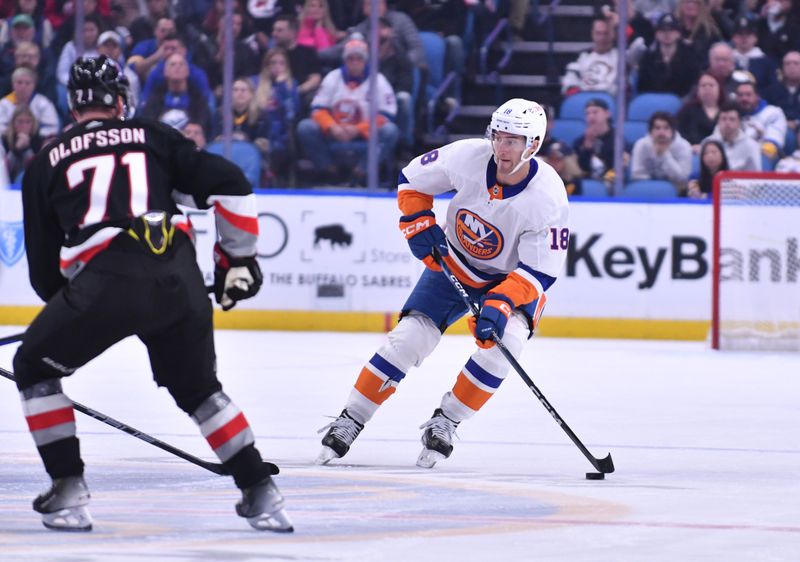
(480, 239)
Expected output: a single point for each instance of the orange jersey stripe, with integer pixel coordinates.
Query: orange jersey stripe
(469, 394)
(518, 289)
(463, 277)
(369, 384)
(411, 201)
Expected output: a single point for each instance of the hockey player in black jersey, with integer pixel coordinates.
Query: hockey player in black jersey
(112, 255)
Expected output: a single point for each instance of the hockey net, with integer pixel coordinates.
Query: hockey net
(756, 270)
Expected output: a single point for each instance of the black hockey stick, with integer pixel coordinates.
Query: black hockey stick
(12, 339)
(605, 465)
(214, 467)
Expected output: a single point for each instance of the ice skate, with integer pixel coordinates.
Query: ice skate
(262, 506)
(341, 434)
(63, 506)
(437, 439)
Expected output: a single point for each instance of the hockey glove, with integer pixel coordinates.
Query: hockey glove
(495, 312)
(423, 234)
(235, 279)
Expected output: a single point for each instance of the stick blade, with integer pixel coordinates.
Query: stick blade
(605, 465)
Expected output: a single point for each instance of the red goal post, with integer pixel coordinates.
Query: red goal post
(756, 261)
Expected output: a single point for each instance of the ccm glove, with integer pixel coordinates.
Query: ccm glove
(235, 279)
(495, 312)
(423, 234)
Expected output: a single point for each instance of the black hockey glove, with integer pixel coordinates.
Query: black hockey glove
(235, 279)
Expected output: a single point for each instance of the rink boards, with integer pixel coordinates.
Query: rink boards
(335, 261)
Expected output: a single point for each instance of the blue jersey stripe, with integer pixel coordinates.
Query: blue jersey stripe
(543, 278)
(387, 368)
(482, 374)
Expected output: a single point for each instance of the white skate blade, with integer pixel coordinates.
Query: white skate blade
(326, 455)
(70, 519)
(428, 458)
(277, 522)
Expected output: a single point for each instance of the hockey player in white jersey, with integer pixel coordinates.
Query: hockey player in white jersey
(505, 238)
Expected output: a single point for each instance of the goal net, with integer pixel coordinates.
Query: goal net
(756, 273)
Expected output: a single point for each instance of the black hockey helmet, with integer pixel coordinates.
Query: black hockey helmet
(97, 82)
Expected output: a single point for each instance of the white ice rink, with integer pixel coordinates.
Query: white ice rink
(706, 445)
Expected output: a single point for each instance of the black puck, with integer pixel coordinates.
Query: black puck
(595, 476)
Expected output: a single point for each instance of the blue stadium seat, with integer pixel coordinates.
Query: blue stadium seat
(650, 190)
(245, 155)
(633, 131)
(644, 105)
(791, 142)
(572, 107)
(567, 130)
(434, 47)
(594, 188)
(767, 164)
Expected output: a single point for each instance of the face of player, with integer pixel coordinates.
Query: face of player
(508, 150)
(712, 157)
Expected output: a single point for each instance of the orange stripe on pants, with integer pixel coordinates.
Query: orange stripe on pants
(469, 394)
(370, 384)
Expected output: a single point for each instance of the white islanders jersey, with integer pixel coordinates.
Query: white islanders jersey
(519, 233)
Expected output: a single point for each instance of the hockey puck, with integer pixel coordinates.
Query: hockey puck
(595, 476)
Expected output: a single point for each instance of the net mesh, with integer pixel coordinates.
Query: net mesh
(759, 287)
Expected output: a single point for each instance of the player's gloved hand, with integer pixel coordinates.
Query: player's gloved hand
(235, 279)
(496, 309)
(423, 234)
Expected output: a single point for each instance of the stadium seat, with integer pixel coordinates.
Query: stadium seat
(567, 130)
(245, 155)
(633, 131)
(649, 190)
(594, 188)
(572, 107)
(644, 105)
(791, 142)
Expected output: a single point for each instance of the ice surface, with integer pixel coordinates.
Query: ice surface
(706, 445)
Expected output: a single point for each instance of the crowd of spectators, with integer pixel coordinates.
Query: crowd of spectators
(300, 92)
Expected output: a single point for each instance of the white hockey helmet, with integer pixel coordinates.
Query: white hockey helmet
(524, 118)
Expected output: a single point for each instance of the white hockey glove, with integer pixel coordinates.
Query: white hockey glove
(235, 279)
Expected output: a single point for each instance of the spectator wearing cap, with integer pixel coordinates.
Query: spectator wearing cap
(762, 122)
(749, 56)
(110, 44)
(340, 117)
(22, 29)
(778, 33)
(663, 154)
(669, 65)
(34, 10)
(786, 92)
(562, 158)
(23, 82)
(595, 148)
(596, 69)
(742, 152)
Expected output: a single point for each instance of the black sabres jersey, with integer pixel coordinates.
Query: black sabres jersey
(84, 188)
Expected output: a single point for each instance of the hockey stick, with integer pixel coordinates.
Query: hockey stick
(605, 465)
(12, 339)
(214, 467)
